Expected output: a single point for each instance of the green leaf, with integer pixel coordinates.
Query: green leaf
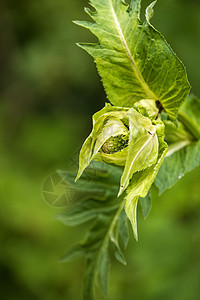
(189, 115)
(115, 239)
(107, 215)
(142, 149)
(75, 252)
(176, 136)
(112, 128)
(131, 211)
(177, 165)
(142, 181)
(106, 123)
(104, 270)
(124, 228)
(147, 108)
(87, 211)
(118, 254)
(184, 150)
(94, 183)
(133, 58)
(97, 246)
(145, 204)
(176, 132)
(150, 12)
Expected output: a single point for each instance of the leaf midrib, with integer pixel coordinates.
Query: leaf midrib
(152, 135)
(108, 233)
(138, 74)
(123, 186)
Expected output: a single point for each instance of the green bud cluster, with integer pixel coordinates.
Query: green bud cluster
(122, 137)
(115, 144)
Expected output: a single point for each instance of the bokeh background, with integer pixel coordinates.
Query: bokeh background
(49, 88)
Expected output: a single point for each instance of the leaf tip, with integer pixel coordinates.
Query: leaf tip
(79, 45)
(77, 177)
(150, 11)
(136, 238)
(135, 231)
(89, 12)
(80, 172)
(121, 190)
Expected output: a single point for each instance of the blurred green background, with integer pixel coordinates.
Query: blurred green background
(49, 88)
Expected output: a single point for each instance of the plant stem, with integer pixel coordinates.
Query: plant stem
(189, 125)
(177, 146)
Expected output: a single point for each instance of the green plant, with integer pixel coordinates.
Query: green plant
(149, 135)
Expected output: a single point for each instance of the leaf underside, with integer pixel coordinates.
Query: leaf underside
(133, 58)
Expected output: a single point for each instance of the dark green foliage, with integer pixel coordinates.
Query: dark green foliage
(97, 202)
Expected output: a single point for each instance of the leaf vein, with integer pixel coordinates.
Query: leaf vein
(136, 71)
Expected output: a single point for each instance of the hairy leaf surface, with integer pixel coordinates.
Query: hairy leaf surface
(133, 59)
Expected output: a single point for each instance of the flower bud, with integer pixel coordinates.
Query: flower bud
(115, 144)
(123, 137)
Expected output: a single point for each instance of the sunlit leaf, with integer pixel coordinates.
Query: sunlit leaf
(133, 58)
(142, 181)
(142, 148)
